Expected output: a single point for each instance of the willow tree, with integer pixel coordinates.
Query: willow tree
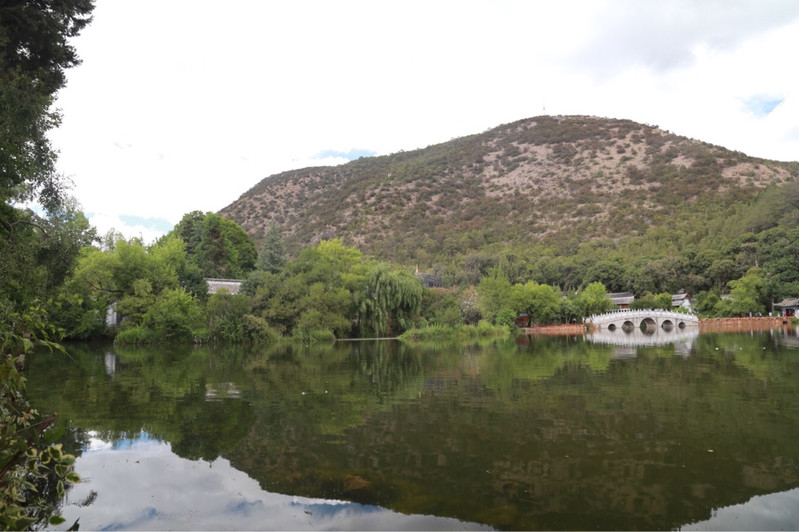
(390, 302)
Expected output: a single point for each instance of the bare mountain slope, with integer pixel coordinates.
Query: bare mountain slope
(544, 178)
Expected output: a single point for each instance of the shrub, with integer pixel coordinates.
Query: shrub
(258, 330)
(506, 318)
(136, 335)
(315, 335)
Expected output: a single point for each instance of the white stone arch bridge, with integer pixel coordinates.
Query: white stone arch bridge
(649, 319)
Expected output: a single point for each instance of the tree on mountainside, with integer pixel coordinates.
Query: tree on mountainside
(272, 257)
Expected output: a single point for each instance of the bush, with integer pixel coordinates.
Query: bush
(315, 335)
(136, 335)
(226, 317)
(259, 330)
(174, 316)
(460, 332)
(506, 318)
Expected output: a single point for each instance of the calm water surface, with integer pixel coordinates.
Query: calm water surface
(696, 432)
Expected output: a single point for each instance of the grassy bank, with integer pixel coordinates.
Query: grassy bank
(460, 332)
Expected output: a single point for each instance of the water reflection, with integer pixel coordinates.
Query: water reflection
(162, 491)
(776, 511)
(650, 337)
(551, 433)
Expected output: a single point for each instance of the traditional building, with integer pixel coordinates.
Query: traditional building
(681, 300)
(429, 281)
(788, 306)
(622, 300)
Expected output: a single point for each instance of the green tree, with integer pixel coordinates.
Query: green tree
(315, 292)
(440, 307)
(390, 301)
(272, 257)
(611, 273)
(706, 303)
(593, 300)
(541, 302)
(217, 246)
(130, 275)
(34, 257)
(493, 294)
(747, 295)
(34, 53)
(175, 315)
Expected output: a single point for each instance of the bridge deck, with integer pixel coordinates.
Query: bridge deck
(636, 318)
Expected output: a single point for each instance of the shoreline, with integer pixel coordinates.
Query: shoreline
(755, 323)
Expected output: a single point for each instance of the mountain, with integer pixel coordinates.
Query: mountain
(554, 183)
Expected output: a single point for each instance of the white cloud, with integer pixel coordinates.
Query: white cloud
(184, 105)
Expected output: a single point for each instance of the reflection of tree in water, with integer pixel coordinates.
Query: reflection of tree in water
(389, 366)
(208, 428)
(555, 435)
(551, 434)
(179, 395)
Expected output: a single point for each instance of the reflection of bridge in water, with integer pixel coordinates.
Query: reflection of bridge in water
(681, 338)
(649, 319)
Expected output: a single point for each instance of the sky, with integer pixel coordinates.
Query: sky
(183, 105)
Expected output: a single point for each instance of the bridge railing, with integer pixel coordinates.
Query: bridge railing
(648, 313)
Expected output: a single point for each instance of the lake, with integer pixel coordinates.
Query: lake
(693, 431)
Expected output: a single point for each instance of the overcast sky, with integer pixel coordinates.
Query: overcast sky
(184, 105)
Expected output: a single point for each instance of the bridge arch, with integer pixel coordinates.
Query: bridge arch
(649, 318)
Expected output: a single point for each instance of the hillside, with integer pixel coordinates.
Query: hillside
(555, 183)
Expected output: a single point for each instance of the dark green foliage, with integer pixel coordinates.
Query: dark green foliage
(36, 253)
(34, 53)
(315, 292)
(226, 317)
(218, 247)
(34, 472)
(441, 307)
(493, 293)
(390, 301)
(272, 257)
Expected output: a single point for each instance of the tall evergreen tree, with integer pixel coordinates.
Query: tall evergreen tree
(272, 258)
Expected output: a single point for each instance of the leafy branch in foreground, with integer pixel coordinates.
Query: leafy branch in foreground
(34, 472)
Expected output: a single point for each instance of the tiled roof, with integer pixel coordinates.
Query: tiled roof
(231, 285)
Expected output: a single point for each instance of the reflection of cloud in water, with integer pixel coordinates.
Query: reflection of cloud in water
(143, 485)
(776, 511)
